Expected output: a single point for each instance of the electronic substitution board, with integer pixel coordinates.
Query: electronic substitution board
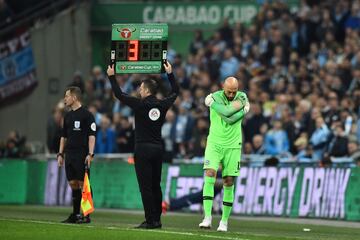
(139, 48)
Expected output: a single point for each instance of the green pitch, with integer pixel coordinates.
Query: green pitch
(34, 223)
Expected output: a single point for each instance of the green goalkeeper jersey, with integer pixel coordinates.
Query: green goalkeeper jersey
(225, 122)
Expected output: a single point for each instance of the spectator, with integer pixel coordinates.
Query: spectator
(289, 127)
(105, 137)
(229, 65)
(98, 116)
(253, 124)
(197, 43)
(125, 136)
(276, 140)
(167, 134)
(353, 150)
(331, 113)
(108, 101)
(98, 79)
(338, 144)
(304, 153)
(355, 82)
(15, 146)
(199, 136)
(78, 81)
(326, 25)
(54, 129)
(89, 93)
(353, 21)
(319, 139)
(184, 124)
(247, 148)
(226, 32)
(340, 15)
(258, 145)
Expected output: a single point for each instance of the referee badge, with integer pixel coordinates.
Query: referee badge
(77, 124)
(93, 126)
(154, 114)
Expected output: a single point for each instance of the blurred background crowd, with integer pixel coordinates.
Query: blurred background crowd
(301, 72)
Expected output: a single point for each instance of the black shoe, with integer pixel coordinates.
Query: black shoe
(86, 219)
(143, 225)
(152, 225)
(157, 224)
(73, 218)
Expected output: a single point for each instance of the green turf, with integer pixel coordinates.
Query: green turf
(34, 223)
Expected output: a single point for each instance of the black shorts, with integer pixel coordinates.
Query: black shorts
(75, 165)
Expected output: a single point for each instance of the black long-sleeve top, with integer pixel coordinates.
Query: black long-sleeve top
(149, 112)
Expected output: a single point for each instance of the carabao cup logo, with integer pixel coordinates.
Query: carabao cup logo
(126, 32)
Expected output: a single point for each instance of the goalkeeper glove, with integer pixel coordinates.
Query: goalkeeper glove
(247, 107)
(209, 100)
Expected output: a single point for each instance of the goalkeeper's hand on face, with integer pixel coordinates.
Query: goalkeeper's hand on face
(209, 100)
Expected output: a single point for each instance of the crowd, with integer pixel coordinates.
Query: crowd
(301, 72)
(14, 146)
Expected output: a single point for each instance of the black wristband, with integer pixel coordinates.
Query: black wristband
(91, 154)
(59, 154)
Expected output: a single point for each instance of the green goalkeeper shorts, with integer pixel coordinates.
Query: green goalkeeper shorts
(228, 157)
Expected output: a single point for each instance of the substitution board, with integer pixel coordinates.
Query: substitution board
(139, 48)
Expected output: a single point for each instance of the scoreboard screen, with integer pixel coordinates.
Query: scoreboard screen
(139, 48)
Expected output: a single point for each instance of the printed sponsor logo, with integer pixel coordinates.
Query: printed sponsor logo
(126, 32)
(302, 192)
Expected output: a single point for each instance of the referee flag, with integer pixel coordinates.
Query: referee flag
(87, 205)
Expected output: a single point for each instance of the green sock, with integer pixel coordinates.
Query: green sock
(208, 195)
(228, 200)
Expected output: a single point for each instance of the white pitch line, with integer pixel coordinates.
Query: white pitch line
(45, 222)
(127, 229)
(188, 234)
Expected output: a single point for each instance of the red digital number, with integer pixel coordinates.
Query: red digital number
(133, 50)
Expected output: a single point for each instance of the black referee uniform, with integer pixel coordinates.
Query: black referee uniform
(77, 142)
(78, 126)
(149, 117)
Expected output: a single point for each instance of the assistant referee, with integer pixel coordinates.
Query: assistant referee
(77, 146)
(149, 117)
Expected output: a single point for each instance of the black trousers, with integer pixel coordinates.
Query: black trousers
(148, 165)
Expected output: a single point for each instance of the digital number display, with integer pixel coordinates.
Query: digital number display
(139, 48)
(135, 50)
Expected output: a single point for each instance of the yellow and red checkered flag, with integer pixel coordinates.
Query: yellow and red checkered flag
(87, 205)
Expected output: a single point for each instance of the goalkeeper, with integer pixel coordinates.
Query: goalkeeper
(227, 109)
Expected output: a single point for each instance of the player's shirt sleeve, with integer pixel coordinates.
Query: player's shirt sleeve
(131, 101)
(91, 125)
(235, 117)
(229, 113)
(225, 110)
(221, 108)
(169, 100)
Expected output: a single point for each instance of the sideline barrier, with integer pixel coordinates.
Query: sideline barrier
(331, 193)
